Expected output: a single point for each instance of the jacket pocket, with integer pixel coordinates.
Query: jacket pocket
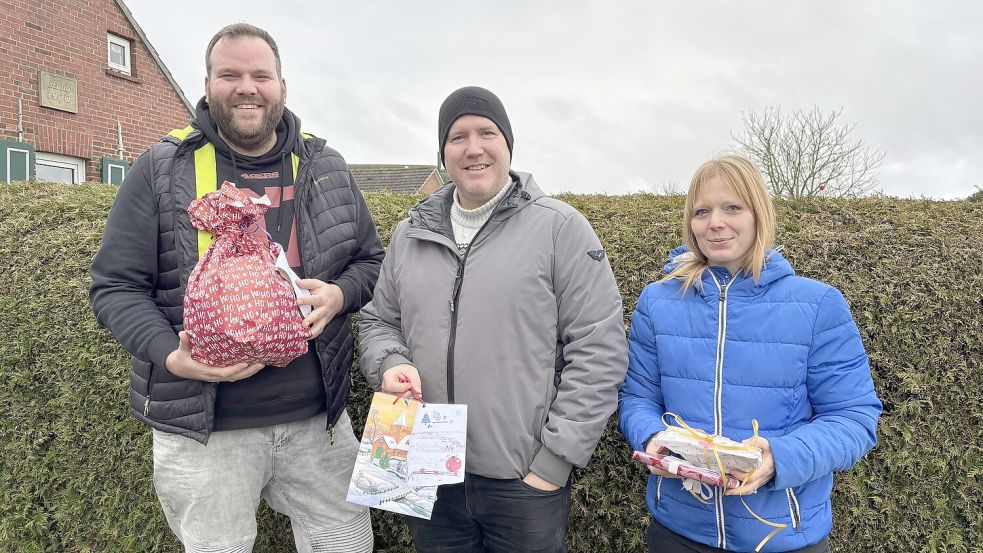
(793, 509)
(150, 385)
(145, 370)
(537, 491)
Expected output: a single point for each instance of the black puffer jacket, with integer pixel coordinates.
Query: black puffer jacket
(150, 247)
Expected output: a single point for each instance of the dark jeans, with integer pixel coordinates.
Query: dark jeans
(489, 515)
(664, 540)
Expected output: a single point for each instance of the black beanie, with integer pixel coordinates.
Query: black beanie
(472, 100)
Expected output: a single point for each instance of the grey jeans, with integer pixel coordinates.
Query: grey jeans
(210, 493)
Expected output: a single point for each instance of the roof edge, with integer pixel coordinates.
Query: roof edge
(153, 53)
(399, 165)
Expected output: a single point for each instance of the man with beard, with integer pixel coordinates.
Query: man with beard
(226, 436)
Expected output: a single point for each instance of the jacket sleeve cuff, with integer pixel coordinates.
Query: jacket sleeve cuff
(351, 296)
(794, 464)
(645, 444)
(551, 468)
(161, 346)
(391, 361)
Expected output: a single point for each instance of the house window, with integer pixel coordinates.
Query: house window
(119, 53)
(113, 170)
(58, 168)
(16, 161)
(116, 174)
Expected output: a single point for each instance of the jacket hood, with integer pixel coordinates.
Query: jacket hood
(776, 266)
(287, 131)
(434, 211)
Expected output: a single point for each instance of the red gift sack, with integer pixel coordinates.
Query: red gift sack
(237, 307)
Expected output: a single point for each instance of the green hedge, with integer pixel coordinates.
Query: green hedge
(76, 468)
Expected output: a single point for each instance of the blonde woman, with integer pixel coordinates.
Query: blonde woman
(731, 334)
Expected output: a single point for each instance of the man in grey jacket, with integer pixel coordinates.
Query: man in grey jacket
(496, 296)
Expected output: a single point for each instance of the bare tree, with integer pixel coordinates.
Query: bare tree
(669, 188)
(375, 422)
(807, 153)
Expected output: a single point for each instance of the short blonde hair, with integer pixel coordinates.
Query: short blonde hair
(746, 181)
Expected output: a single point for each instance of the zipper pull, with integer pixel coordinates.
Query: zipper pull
(146, 407)
(331, 433)
(451, 303)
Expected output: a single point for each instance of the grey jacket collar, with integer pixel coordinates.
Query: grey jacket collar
(434, 212)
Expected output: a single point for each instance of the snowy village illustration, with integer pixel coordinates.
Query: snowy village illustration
(392, 476)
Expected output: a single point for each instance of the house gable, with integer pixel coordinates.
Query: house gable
(403, 179)
(64, 95)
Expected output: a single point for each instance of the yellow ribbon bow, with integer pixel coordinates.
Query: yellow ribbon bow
(711, 440)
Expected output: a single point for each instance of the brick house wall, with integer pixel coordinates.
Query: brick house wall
(69, 38)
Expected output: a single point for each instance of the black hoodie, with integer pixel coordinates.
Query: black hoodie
(274, 395)
(269, 174)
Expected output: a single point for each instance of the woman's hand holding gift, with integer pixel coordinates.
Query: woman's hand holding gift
(759, 477)
(653, 449)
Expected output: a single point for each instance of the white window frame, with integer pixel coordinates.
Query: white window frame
(111, 40)
(121, 169)
(27, 161)
(77, 165)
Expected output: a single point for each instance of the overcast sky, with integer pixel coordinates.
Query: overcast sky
(616, 96)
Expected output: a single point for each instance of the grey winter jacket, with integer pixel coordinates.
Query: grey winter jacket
(150, 247)
(526, 328)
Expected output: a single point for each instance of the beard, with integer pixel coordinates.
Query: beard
(242, 138)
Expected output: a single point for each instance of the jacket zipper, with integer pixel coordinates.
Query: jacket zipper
(146, 401)
(718, 386)
(462, 259)
(658, 490)
(186, 145)
(455, 299)
(793, 508)
(324, 384)
(302, 169)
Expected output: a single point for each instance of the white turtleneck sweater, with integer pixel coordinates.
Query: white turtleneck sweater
(467, 222)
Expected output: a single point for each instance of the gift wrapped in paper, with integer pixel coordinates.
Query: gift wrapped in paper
(237, 306)
(698, 447)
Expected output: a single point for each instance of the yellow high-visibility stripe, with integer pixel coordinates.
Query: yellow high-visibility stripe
(181, 134)
(206, 180)
(206, 177)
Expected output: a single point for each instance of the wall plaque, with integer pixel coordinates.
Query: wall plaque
(57, 92)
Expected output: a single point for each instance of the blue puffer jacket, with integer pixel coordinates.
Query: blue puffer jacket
(784, 351)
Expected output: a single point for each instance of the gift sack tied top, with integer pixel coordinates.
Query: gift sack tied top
(237, 307)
